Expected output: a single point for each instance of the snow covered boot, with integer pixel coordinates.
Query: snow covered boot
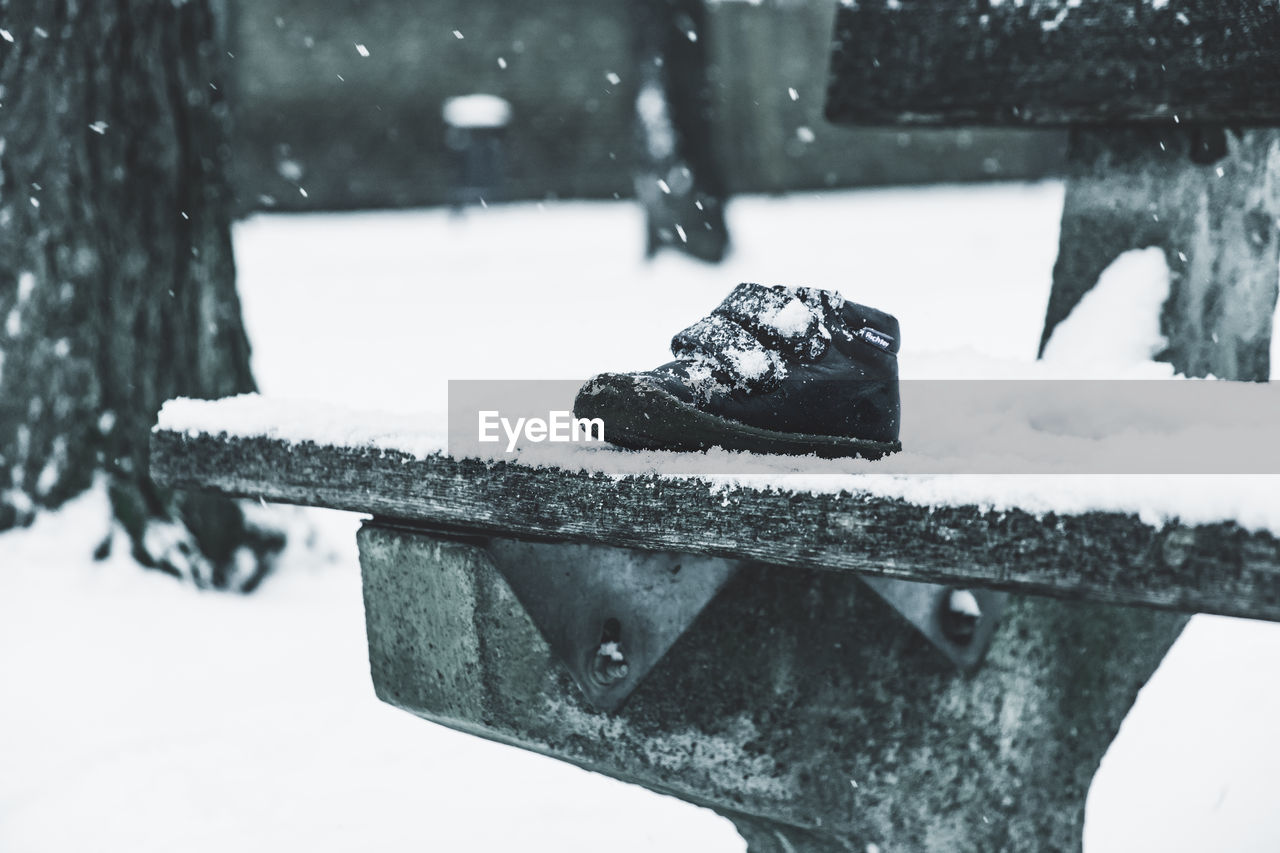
(771, 370)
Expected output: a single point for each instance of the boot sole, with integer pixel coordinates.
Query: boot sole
(641, 417)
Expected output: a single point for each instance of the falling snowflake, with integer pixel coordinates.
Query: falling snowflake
(362, 50)
(290, 170)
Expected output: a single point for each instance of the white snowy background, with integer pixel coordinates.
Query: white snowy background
(139, 714)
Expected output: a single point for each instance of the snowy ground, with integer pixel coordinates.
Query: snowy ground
(140, 715)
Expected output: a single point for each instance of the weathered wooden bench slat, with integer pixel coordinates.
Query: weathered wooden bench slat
(1107, 557)
(1055, 62)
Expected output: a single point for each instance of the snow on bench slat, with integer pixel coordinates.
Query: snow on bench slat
(1252, 501)
(296, 421)
(848, 522)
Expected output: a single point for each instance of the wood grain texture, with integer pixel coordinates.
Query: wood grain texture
(1052, 62)
(1106, 557)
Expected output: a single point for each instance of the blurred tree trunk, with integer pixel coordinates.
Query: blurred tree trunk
(117, 284)
(679, 181)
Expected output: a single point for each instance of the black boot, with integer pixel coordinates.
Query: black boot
(771, 370)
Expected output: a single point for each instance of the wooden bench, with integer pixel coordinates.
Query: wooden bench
(750, 671)
(720, 645)
(1172, 107)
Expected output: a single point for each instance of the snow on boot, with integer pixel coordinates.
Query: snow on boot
(771, 370)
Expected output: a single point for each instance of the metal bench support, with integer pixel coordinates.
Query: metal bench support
(1210, 198)
(797, 703)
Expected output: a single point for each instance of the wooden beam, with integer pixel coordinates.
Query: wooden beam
(1055, 62)
(1106, 557)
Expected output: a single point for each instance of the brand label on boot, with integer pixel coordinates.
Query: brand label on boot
(875, 338)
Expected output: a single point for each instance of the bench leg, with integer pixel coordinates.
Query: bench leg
(798, 704)
(1215, 219)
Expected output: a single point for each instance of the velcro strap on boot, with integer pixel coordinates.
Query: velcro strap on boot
(735, 354)
(778, 319)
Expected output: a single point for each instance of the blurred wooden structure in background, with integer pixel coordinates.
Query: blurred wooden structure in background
(365, 132)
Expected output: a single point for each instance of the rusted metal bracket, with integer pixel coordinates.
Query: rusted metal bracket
(960, 622)
(610, 614)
